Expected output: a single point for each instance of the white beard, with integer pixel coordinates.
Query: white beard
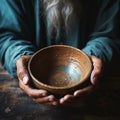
(61, 14)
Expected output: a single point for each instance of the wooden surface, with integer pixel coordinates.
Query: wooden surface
(16, 105)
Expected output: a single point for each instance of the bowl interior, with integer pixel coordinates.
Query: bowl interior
(60, 66)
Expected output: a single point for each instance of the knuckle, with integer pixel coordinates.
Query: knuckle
(19, 60)
(20, 75)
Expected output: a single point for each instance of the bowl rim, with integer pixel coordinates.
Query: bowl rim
(59, 87)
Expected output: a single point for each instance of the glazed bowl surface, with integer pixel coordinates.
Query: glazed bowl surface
(60, 69)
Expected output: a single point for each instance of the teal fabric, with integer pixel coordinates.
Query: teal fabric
(22, 31)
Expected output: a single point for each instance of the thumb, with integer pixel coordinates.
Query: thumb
(22, 71)
(97, 70)
(25, 79)
(94, 78)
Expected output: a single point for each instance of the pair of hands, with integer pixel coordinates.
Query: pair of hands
(43, 96)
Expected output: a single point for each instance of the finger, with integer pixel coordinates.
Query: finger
(46, 99)
(95, 75)
(53, 103)
(66, 98)
(22, 71)
(34, 93)
(24, 77)
(97, 70)
(22, 62)
(84, 91)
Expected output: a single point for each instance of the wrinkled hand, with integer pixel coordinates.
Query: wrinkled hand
(88, 90)
(38, 95)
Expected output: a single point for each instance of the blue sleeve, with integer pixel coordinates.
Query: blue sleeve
(15, 39)
(104, 41)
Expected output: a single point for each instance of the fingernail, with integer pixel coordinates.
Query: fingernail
(62, 101)
(75, 94)
(25, 80)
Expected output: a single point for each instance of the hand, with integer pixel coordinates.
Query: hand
(82, 93)
(38, 95)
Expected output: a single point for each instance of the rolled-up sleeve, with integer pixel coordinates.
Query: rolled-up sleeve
(104, 41)
(15, 40)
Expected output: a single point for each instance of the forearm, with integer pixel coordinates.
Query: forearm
(104, 48)
(16, 33)
(11, 50)
(104, 41)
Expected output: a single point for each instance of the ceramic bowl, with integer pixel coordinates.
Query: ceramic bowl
(60, 69)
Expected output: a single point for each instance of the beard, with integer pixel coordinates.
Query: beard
(62, 16)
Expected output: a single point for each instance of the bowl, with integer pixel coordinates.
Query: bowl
(59, 69)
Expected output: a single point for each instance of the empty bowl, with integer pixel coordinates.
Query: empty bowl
(59, 69)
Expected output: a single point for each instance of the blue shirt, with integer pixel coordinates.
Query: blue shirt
(22, 31)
